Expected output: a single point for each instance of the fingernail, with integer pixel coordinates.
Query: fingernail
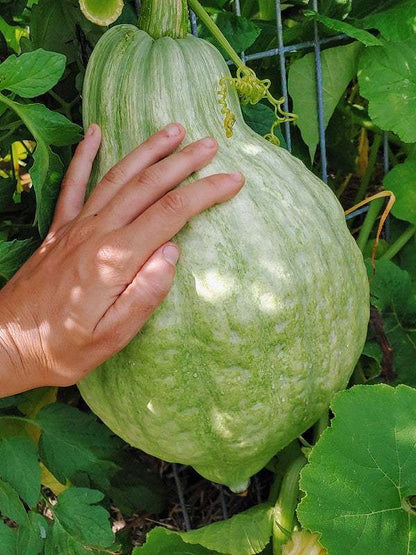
(209, 142)
(171, 254)
(236, 176)
(172, 130)
(90, 131)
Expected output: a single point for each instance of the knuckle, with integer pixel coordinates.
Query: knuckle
(174, 203)
(150, 176)
(115, 175)
(80, 232)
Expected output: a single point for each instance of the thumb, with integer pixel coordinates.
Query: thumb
(135, 305)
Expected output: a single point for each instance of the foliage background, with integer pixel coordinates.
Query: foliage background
(67, 485)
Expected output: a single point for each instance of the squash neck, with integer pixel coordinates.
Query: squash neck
(167, 18)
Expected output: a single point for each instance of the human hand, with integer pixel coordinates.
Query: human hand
(106, 265)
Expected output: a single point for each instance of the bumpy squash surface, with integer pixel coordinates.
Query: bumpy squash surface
(269, 309)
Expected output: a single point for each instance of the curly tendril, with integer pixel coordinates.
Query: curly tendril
(251, 90)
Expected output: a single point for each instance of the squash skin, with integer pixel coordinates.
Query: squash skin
(269, 310)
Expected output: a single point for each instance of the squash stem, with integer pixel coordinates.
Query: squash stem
(215, 31)
(284, 510)
(164, 19)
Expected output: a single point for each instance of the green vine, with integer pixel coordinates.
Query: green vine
(249, 87)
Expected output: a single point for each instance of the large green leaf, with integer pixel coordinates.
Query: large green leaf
(31, 74)
(73, 442)
(402, 181)
(246, 533)
(20, 468)
(395, 24)
(387, 78)
(55, 26)
(362, 473)
(339, 65)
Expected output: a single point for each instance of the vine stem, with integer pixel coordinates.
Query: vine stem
(399, 243)
(284, 510)
(215, 31)
(371, 217)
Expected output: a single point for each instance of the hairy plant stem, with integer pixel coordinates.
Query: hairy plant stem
(215, 31)
(365, 180)
(164, 19)
(369, 221)
(399, 243)
(285, 507)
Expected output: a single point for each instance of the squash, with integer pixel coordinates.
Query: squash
(269, 310)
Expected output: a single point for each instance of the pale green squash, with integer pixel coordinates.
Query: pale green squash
(269, 310)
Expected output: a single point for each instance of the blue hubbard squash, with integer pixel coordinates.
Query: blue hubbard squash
(268, 313)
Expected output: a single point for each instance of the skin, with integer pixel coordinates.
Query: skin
(105, 265)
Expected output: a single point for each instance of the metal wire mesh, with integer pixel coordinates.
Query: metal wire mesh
(281, 52)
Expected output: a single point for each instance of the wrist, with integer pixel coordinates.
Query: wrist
(17, 373)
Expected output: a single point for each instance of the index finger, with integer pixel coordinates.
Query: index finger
(164, 219)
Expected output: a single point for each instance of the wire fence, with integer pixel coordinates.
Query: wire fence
(281, 51)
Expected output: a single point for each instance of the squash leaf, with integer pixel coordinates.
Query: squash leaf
(395, 24)
(361, 477)
(402, 181)
(246, 533)
(387, 79)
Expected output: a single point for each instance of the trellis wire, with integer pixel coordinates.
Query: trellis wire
(281, 51)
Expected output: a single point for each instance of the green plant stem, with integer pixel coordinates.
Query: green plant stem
(320, 426)
(365, 180)
(164, 19)
(284, 514)
(369, 221)
(399, 243)
(215, 31)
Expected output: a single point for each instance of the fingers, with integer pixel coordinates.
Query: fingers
(74, 184)
(138, 301)
(166, 217)
(151, 151)
(151, 184)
